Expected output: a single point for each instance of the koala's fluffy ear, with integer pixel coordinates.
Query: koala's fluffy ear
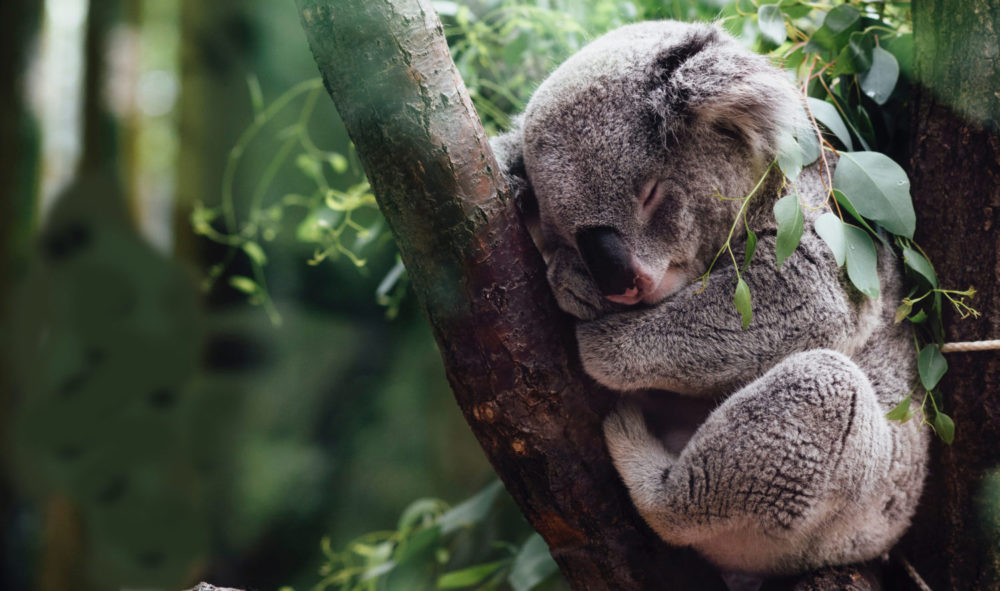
(709, 83)
(509, 151)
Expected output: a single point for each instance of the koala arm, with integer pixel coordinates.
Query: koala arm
(693, 342)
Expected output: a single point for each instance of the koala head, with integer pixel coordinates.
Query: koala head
(637, 150)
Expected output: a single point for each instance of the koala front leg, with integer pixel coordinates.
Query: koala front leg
(789, 473)
(573, 287)
(693, 341)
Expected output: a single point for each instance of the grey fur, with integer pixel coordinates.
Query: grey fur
(797, 467)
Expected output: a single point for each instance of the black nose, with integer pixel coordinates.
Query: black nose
(608, 258)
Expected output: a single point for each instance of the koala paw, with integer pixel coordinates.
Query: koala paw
(632, 447)
(575, 291)
(604, 355)
(625, 428)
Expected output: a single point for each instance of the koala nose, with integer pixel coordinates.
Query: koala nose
(609, 260)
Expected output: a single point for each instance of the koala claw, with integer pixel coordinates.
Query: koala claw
(574, 291)
(625, 424)
(602, 355)
(572, 303)
(627, 437)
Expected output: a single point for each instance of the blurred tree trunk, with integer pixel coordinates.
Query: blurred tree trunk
(955, 172)
(19, 183)
(101, 148)
(101, 142)
(510, 355)
(19, 139)
(62, 558)
(216, 42)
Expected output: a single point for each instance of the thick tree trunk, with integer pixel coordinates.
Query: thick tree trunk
(955, 172)
(509, 353)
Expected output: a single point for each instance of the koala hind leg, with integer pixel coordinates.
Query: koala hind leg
(786, 474)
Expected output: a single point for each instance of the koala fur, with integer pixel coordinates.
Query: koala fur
(637, 150)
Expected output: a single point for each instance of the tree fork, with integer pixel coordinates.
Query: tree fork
(509, 353)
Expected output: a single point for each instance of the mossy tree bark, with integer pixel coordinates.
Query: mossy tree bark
(955, 173)
(510, 355)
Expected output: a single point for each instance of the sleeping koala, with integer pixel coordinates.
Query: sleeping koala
(637, 151)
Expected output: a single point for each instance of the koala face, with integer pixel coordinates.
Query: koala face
(637, 150)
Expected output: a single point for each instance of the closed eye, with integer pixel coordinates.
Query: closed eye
(650, 198)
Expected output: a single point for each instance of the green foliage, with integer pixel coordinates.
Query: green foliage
(424, 552)
(788, 213)
(878, 189)
(847, 57)
(333, 222)
(502, 48)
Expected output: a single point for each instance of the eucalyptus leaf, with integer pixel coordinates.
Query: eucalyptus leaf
(862, 268)
(863, 127)
(469, 576)
(255, 252)
(944, 427)
(772, 24)
(937, 328)
(419, 512)
(788, 214)
(831, 230)
(881, 78)
(918, 318)
(742, 300)
(471, 511)
(827, 114)
(856, 57)
(879, 190)
(920, 265)
(751, 248)
(790, 156)
(901, 412)
(835, 30)
(902, 312)
(931, 365)
(244, 284)
(901, 46)
(809, 144)
(337, 161)
(532, 565)
(846, 205)
(413, 562)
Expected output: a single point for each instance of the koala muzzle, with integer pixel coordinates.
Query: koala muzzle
(610, 263)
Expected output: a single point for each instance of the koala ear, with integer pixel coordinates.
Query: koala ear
(708, 82)
(509, 151)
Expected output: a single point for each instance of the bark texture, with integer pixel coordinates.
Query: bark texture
(510, 355)
(955, 173)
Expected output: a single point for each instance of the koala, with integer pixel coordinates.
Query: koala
(630, 162)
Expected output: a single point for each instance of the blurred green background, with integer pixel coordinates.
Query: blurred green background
(210, 363)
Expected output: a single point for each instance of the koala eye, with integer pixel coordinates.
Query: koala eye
(729, 132)
(650, 197)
